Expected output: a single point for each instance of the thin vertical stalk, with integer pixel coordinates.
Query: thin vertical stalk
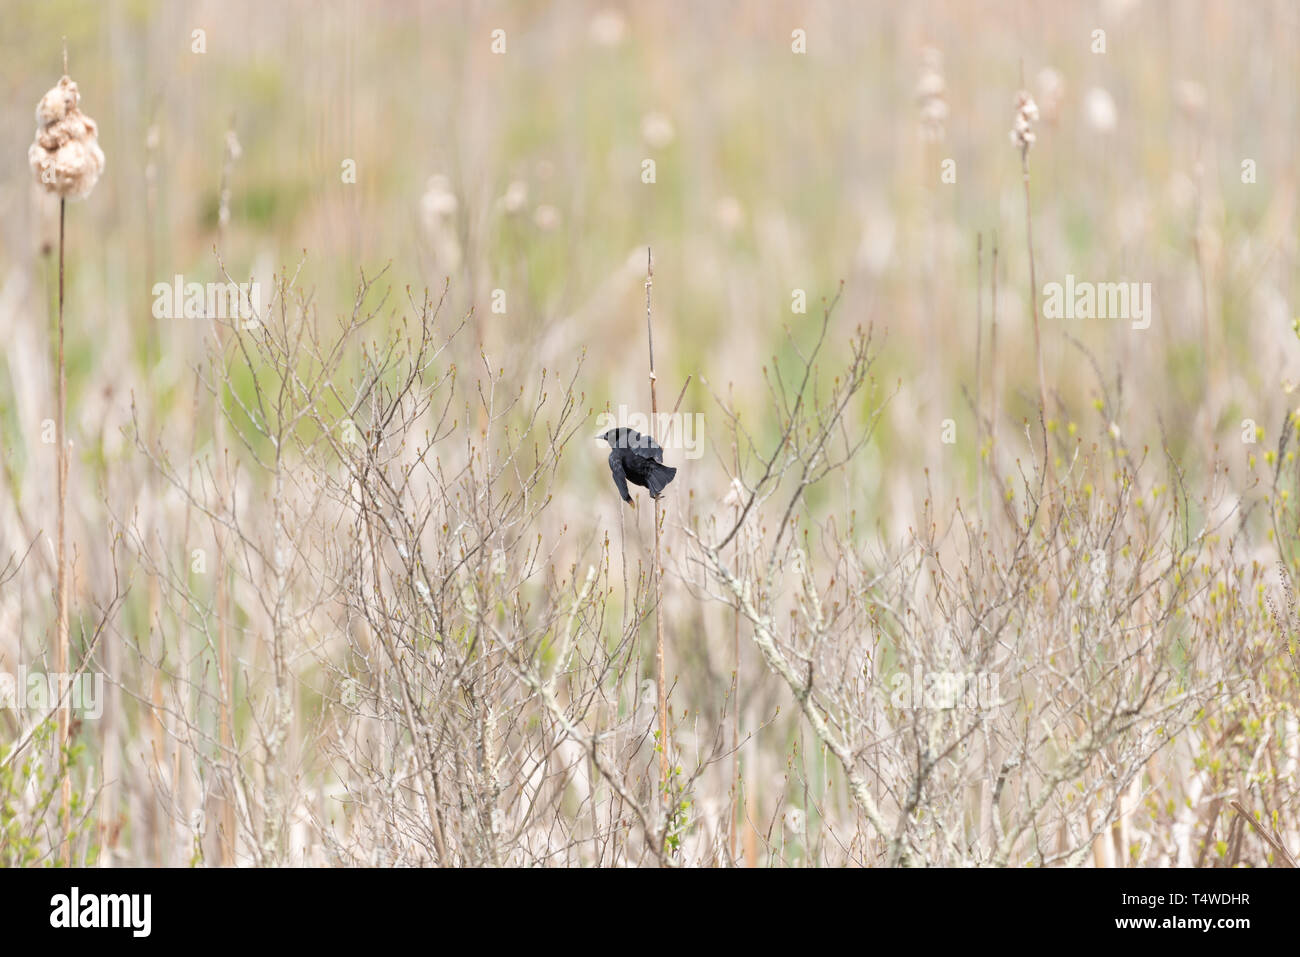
(735, 712)
(1048, 465)
(993, 362)
(61, 637)
(226, 837)
(657, 569)
(979, 380)
(1033, 304)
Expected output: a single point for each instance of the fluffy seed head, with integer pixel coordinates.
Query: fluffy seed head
(1022, 130)
(65, 156)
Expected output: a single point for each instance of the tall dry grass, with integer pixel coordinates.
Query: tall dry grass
(355, 576)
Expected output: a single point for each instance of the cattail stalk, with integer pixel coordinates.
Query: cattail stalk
(657, 569)
(1033, 302)
(226, 837)
(735, 715)
(979, 379)
(66, 160)
(1022, 135)
(61, 654)
(993, 360)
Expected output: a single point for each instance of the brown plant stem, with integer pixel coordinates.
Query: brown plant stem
(993, 360)
(657, 569)
(61, 637)
(1048, 466)
(979, 381)
(226, 836)
(1284, 857)
(1033, 304)
(735, 718)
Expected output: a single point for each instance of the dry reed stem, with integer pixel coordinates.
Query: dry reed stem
(735, 716)
(1038, 342)
(61, 636)
(66, 160)
(1285, 857)
(1022, 134)
(226, 829)
(979, 358)
(657, 570)
(993, 355)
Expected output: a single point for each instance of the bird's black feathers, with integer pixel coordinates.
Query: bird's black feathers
(638, 459)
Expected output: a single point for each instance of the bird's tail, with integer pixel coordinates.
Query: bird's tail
(659, 477)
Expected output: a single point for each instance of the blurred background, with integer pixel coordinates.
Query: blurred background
(774, 171)
(794, 145)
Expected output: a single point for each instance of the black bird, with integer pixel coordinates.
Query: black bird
(638, 459)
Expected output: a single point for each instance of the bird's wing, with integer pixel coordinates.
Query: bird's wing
(620, 477)
(648, 448)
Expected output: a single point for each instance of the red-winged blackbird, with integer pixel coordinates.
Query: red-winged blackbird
(637, 459)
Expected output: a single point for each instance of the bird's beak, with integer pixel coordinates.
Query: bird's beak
(631, 503)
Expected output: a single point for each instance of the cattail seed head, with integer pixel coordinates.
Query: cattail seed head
(65, 157)
(1022, 130)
